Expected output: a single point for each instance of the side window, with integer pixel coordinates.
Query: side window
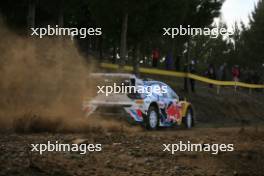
(172, 94)
(153, 93)
(165, 94)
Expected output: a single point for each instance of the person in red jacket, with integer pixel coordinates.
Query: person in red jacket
(155, 57)
(236, 73)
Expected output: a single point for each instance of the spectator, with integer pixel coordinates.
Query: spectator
(236, 73)
(211, 73)
(255, 78)
(177, 62)
(155, 57)
(191, 69)
(248, 75)
(169, 61)
(222, 72)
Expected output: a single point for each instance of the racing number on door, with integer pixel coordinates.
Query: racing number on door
(173, 112)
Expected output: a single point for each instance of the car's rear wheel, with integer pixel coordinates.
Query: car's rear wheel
(189, 119)
(152, 120)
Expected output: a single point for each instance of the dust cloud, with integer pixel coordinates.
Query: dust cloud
(43, 83)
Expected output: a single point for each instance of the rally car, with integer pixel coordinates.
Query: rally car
(158, 109)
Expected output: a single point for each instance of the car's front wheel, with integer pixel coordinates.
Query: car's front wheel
(152, 120)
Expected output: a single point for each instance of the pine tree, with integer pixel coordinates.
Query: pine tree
(254, 38)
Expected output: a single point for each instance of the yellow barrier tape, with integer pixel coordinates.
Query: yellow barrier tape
(184, 75)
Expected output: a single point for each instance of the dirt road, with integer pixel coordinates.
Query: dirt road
(136, 153)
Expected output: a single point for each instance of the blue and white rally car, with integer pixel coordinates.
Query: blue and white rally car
(151, 103)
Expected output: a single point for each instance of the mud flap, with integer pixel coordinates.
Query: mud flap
(135, 114)
(89, 109)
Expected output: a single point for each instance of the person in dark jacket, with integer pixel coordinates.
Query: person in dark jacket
(222, 72)
(169, 61)
(211, 73)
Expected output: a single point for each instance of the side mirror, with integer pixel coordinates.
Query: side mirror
(181, 98)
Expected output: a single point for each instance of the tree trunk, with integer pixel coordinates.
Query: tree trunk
(136, 60)
(178, 55)
(173, 51)
(114, 54)
(31, 15)
(100, 48)
(61, 14)
(187, 80)
(123, 40)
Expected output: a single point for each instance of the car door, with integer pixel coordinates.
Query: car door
(172, 108)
